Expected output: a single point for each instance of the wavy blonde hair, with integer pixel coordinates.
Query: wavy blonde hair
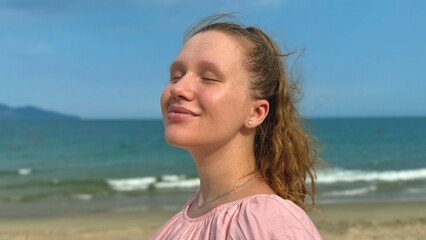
(283, 152)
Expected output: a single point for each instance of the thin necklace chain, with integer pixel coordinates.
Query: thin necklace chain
(223, 195)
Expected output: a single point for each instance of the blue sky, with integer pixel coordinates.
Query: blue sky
(110, 58)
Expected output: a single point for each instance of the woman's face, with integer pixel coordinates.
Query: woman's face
(207, 101)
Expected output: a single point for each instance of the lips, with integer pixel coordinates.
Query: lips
(176, 112)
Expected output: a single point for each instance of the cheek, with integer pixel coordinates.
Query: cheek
(232, 99)
(165, 96)
(229, 106)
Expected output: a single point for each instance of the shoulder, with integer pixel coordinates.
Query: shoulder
(274, 206)
(274, 217)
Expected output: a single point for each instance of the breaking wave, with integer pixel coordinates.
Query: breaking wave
(343, 175)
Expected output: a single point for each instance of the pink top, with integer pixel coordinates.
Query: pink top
(263, 216)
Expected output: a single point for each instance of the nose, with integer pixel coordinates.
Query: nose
(183, 89)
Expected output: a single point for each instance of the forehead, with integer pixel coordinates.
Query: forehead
(212, 47)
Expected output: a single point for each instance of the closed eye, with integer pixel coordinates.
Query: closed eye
(177, 71)
(210, 79)
(175, 78)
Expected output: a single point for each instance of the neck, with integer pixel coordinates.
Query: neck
(223, 169)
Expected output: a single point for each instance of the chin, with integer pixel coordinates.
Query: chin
(179, 135)
(183, 141)
(175, 140)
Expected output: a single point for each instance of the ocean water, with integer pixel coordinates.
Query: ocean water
(66, 167)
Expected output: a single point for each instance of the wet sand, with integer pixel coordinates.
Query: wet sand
(403, 220)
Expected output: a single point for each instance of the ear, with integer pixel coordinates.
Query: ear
(258, 113)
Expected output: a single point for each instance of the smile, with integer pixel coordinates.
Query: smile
(176, 112)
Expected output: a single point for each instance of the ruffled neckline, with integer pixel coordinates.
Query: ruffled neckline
(219, 208)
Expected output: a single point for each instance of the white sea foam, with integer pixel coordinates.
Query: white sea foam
(83, 196)
(323, 177)
(185, 183)
(351, 192)
(416, 190)
(342, 175)
(171, 178)
(131, 184)
(164, 182)
(25, 171)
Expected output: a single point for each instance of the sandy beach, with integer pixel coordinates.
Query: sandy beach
(404, 220)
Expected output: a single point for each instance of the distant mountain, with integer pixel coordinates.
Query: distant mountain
(31, 113)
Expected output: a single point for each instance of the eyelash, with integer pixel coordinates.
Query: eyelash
(175, 79)
(210, 79)
(206, 79)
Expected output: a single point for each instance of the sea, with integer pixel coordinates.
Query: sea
(81, 166)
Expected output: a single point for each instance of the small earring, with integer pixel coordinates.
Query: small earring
(250, 122)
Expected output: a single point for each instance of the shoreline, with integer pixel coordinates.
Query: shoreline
(387, 220)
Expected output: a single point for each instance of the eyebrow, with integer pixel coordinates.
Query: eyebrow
(203, 65)
(176, 64)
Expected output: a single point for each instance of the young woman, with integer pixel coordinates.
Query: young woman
(230, 104)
